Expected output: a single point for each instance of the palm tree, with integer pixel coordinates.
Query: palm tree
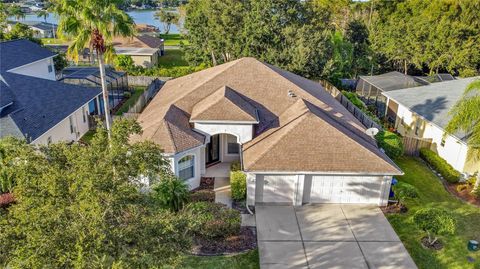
(466, 117)
(43, 13)
(17, 12)
(93, 23)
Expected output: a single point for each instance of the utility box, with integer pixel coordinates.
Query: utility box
(473, 245)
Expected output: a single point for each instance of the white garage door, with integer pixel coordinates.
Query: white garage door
(346, 189)
(278, 188)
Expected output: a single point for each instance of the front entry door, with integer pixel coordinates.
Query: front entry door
(212, 150)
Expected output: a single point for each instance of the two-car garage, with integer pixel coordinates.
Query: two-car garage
(298, 189)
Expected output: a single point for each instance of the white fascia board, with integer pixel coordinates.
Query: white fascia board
(324, 173)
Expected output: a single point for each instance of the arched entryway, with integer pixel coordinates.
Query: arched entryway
(220, 152)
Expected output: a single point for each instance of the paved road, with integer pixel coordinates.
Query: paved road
(328, 236)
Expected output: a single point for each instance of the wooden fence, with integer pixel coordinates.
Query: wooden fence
(412, 145)
(357, 112)
(146, 96)
(143, 80)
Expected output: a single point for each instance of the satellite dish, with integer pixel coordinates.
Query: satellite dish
(371, 131)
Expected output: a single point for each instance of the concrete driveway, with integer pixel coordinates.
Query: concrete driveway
(328, 236)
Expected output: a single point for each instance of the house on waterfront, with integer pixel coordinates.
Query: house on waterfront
(40, 29)
(33, 105)
(144, 49)
(294, 141)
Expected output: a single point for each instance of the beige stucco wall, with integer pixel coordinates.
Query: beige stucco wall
(61, 131)
(145, 61)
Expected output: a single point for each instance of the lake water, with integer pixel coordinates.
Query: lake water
(139, 16)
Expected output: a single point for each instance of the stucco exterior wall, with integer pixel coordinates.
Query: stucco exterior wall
(61, 131)
(453, 150)
(243, 132)
(37, 69)
(224, 155)
(144, 60)
(199, 164)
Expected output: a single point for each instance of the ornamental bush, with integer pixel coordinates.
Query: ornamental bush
(202, 196)
(445, 169)
(213, 220)
(171, 193)
(235, 166)
(238, 185)
(391, 143)
(405, 191)
(434, 222)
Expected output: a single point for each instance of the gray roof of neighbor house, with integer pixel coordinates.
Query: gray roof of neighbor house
(283, 120)
(392, 81)
(45, 26)
(39, 104)
(434, 101)
(20, 52)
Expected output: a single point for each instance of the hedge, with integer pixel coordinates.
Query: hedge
(445, 169)
(238, 185)
(213, 220)
(235, 166)
(391, 143)
(202, 196)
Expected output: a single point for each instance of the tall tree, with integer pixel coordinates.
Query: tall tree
(466, 117)
(16, 11)
(94, 23)
(43, 14)
(74, 211)
(167, 18)
(358, 35)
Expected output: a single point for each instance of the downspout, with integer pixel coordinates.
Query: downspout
(241, 165)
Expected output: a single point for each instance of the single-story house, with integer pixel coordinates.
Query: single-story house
(370, 88)
(294, 141)
(144, 49)
(40, 29)
(33, 105)
(423, 112)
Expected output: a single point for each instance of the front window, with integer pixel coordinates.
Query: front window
(232, 146)
(186, 166)
(50, 68)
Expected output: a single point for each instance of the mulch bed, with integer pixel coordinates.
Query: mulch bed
(394, 208)
(246, 240)
(436, 246)
(465, 195)
(241, 206)
(206, 183)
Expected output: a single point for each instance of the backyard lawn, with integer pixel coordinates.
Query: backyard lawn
(173, 39)
(135, 95)
(432, 194)
(172, 57)
(247, 260)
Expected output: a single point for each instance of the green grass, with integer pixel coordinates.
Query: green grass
(432, 194)
(87, 137)
(173, 39)
(172, 57)
(131, 101)
(247, 260)
(54, 41)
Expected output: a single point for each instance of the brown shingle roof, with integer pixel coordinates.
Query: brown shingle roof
(309, 140)
(224, 105)
(141, 41)
(266, 88)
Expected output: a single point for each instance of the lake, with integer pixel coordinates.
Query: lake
(139, 16)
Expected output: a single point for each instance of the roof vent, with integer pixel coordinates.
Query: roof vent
(291, 94)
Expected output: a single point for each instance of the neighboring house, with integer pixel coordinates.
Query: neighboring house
(295, 142)
(370, 88)
(424, 112)
(147, 29)
(144, 49)
(33, 105)
(40, 29)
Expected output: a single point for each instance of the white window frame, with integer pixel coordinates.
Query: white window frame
(230, 139)
(189, 161)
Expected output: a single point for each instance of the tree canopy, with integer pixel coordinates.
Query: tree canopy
(81, 206)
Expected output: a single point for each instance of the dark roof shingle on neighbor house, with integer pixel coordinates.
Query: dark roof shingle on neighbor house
(297, 118)
(20, 52)
(392, 81)
(40, 104)
(433, 102)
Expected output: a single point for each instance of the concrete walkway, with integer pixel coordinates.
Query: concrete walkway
(328, 236)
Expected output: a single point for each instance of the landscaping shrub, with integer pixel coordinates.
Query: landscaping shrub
(171, 193)
(213, 220)
(202, 196)
(405, 191)
(461, 187)
(434, 222)
(235, 166)
(238, 185)
(391, 143)
(445, 169)
(352, 97)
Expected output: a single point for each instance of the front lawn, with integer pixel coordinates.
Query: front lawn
(247, 260)
(432, 194)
